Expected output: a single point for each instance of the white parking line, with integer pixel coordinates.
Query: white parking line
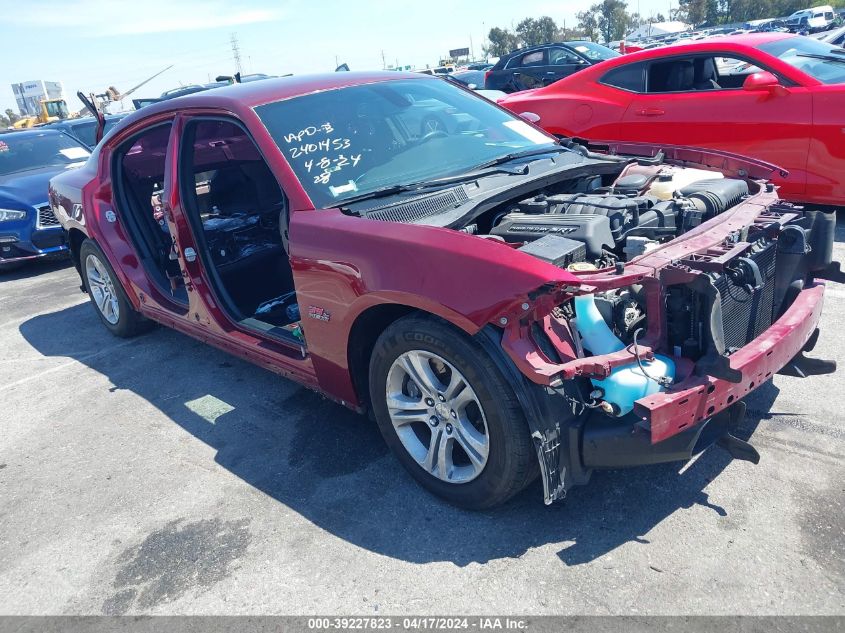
(74, 361)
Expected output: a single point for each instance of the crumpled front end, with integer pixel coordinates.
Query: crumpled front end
(647, 362)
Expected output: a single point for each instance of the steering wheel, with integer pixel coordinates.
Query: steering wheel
(425, 138)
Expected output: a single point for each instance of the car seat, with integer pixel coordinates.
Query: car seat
(265, 187)
(680, 77)
(231, 191)
(705, 74)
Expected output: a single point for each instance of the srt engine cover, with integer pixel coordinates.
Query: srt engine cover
(592, 230)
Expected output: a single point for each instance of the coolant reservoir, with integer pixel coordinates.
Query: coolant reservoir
(627, 383)
(664, 187)
(594, 330)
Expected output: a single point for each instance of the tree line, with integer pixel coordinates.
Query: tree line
(610, 20)
(605, 21)
(8, 118)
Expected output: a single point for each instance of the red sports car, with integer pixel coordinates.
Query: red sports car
(774, 96)
(503, 304)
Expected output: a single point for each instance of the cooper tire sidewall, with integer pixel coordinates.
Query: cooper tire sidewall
(459, 354)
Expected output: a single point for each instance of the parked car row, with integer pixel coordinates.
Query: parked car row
(817, 20)
(812, 20)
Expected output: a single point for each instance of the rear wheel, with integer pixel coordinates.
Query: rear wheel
(106, 294)
(449, 415)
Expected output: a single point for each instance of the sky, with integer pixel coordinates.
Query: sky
(89, 45)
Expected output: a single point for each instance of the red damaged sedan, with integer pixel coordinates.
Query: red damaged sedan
(504, 305)
(773, 96)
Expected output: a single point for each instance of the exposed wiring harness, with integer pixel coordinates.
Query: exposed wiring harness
(577, 403)
(663, 381)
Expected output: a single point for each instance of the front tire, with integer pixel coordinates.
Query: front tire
(448, 414)
(107, 295)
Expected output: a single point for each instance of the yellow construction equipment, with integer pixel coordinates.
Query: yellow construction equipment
(51, 110)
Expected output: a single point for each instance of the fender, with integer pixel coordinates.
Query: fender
(464, 279)
(555, 428)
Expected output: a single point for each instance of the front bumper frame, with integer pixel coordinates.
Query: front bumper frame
(700, 397)
(16, 247)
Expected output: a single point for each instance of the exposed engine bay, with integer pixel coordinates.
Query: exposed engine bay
(582, 219)
(621, 223)
(606, 224)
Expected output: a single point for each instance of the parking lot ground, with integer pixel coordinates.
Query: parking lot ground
(158, 475)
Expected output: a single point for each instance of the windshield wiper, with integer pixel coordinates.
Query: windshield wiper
(376, 193)
(383, 192)
(523, 154)
(495, 166)
(829, 58)
(479, 171)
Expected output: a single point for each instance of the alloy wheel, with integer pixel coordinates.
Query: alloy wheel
(102, 289)
(437, 416)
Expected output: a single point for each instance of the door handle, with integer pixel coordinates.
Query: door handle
(651, 112)
(190, 254)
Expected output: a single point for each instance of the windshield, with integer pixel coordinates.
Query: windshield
(87, 130)
(595, 52)
(350, 141)
(820, 60)
(57, 109)
(19, 152)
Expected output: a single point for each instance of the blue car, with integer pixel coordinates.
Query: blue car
(28, 159)
(85, 129)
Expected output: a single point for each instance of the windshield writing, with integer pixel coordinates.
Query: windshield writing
(346, 142)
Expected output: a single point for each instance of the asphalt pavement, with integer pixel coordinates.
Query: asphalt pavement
(160, 476)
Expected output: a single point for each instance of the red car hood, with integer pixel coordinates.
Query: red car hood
(730, 164)
(517, 96)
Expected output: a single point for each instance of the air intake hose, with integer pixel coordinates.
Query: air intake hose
(712, 197)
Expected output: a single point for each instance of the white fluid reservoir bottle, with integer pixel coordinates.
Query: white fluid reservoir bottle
(665, 188)
(626, 383)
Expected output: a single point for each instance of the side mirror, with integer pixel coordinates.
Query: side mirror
(762, 80)
(531, 117)
(472, 86)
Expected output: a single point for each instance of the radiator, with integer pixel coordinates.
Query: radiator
(747, 313)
